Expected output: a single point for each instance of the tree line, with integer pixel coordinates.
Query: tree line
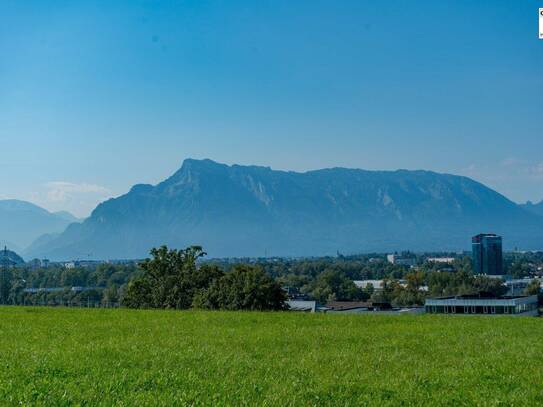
(181, 279)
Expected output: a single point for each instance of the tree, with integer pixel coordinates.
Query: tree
(244, 288)
(138, 294)
(6, 277)
(493, 286)
(110, 295)
(534, 288)
(332, 285)
(411, 294)
(389, 290)
(170, 279)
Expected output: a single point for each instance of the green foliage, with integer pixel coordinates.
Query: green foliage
(243, 288)
(170, 279)
(173, 279)
(463, 283)
(525, 264)
(324, 278)
(394, 293)
(332, 285)
(105, 278)
(65, 357)
(493, 286)
(534, 288)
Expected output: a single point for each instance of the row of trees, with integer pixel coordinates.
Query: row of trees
(181, 279)
(102, 284)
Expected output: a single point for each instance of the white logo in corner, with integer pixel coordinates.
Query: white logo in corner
(541, 23)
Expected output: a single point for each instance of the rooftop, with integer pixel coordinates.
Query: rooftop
(481, 296)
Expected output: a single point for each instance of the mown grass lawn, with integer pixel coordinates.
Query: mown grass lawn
(123, 357)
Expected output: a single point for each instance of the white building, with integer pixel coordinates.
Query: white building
(363, 284)
(442, 260)
(302, 305)
(401, 261)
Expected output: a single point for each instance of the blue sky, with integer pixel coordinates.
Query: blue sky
(96, 96)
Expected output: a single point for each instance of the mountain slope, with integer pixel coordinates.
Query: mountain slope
(67, 216)
(22, 222)
(253, 211)
(536, 209)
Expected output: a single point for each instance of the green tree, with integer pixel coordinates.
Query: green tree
(534, 288)
(332, 285)
(170, 279)
(138, 294)
(111, 295)
(244, 288)
(389, 290)
(494, 286)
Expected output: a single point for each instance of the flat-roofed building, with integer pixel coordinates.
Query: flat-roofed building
(364, 284)
(369, 307)
(471, 304)
(401, 261)
(442, 260)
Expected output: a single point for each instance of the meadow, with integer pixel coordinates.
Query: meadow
(61, 356)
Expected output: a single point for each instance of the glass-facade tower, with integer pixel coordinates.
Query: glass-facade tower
(487, 254)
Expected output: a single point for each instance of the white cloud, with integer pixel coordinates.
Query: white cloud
(77, 198)
(510, 162)
(537, 170)
(518, 179)
(470, 169)
(61, 191)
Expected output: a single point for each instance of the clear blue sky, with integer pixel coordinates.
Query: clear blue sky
(96, 96)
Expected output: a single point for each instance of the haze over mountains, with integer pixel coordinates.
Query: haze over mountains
(22, 222)
(255, 211)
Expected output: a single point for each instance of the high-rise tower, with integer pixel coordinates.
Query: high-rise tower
(487, 254)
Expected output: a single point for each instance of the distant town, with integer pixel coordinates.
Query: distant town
(486, 281)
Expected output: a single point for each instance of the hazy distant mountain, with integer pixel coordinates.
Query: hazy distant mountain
(40, 243)
(22, 222)
(534, 208)
(254, 211)
(67, 216)
(9, 258)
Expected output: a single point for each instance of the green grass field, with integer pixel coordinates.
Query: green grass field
(124, 357)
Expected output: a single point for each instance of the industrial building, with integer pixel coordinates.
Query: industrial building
(474, 304)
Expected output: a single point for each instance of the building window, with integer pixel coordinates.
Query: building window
(473, 311)
(493, 309)
(485, 309)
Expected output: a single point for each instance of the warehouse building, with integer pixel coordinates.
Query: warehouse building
(465, 304)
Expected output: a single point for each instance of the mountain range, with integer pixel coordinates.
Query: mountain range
(237, 211)
(22, 222)
(536, 209)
